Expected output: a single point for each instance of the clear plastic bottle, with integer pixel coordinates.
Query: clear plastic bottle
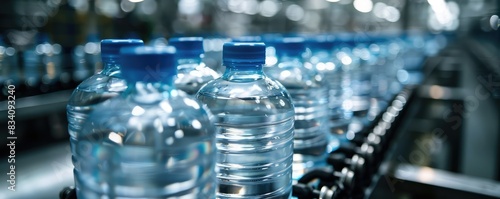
(192, 73)
(309, 93)
(51, 66)
(92, 54)
(381, 67)
(361, 75)
(104, 85)
(151, 141)
(413, 56)
(326, 62)
(255, 124)
(32, 66)
(9, 69)
(79, 72)
(388, 49)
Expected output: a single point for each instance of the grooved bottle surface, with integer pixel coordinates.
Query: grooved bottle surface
(255, 128)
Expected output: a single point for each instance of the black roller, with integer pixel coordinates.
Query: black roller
(67, 193)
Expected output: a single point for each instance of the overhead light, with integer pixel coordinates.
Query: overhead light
(363, 6)
(494, 22)
(443, 14)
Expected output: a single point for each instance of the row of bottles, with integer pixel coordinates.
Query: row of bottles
(157, 122)
(44, 67)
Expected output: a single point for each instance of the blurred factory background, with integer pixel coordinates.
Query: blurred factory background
(47, 47)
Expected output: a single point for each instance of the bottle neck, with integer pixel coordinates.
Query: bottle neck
(111, 66)
(243, 72)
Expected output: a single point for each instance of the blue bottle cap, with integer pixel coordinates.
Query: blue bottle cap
(291, 46)
(187, 47)
(111, 47)
(148, 64)
(244, 53)
(247, 39)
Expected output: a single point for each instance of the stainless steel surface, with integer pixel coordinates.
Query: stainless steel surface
(447, 144)
(448, 180)
(40, 174)
(38, 105)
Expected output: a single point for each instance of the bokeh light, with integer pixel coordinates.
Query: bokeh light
(363, 6)
(269, 8)
(294, 12)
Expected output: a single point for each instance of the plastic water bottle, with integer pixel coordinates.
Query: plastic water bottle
(9, 69)
(96, 89)
(80, 71)
(255, 124)
(395, 62)
(309, 93)
(51, 66)
(92, 54)
(326, 62)
(32, 64)
(387, 48)
(192, 72)
(413, 55)
(378, 50)
(151, 141)
(361, 76)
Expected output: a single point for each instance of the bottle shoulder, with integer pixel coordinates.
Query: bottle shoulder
(96, 89)
(191, 79)
(262, 98)
(101, 82)
(166, 100)
(170, 117)
(261, 87)
(296, 76)
(197, 70)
